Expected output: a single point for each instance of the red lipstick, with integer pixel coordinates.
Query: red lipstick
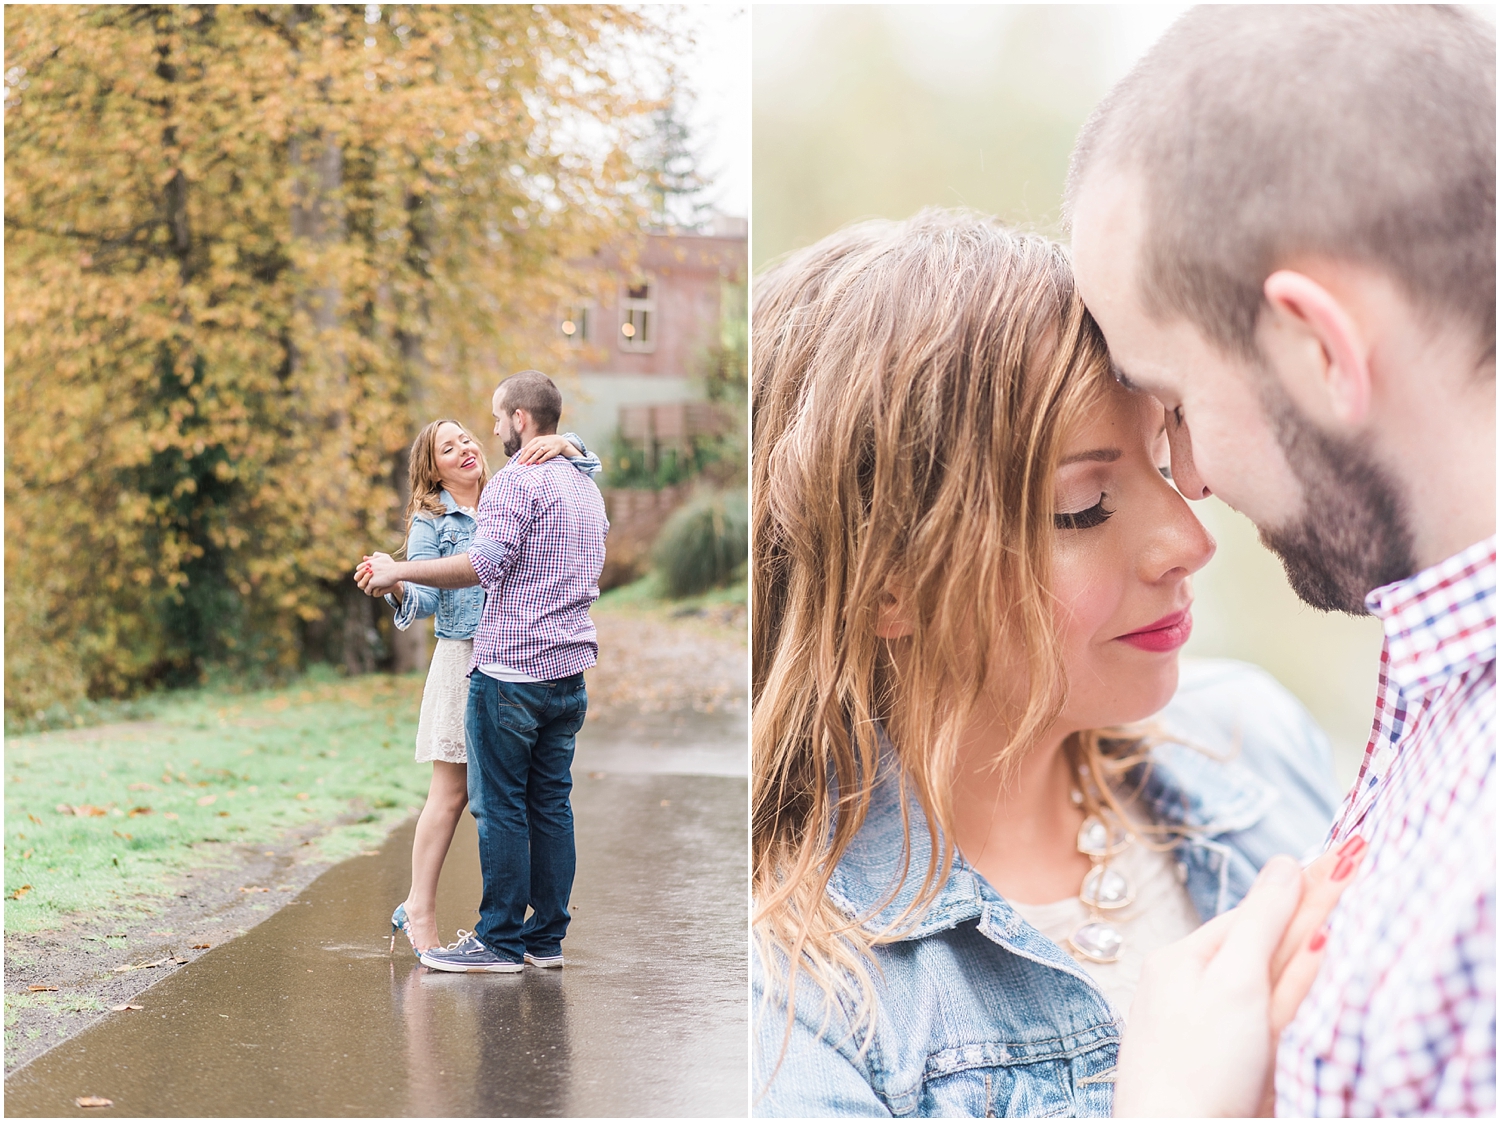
(1166, 634)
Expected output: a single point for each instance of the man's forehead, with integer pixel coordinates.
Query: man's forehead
(1107, 224)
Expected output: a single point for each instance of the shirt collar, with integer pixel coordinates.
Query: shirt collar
(1440, 622)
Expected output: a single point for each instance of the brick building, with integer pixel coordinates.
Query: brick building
(643, 334)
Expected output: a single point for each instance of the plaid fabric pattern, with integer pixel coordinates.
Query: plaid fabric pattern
(1401, 1019)
(538, 551)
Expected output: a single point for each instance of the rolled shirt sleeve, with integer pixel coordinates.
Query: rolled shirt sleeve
(507, 514)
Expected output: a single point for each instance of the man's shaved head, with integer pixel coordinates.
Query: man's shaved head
(1265, 136)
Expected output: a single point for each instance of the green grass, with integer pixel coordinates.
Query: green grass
(210, 767)
(649, 593)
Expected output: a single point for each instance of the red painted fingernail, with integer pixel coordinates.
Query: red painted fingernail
(1315, 944)
(1343, 868)
(1352, 846)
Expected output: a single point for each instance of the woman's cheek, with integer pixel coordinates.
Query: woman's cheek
(1087, 594)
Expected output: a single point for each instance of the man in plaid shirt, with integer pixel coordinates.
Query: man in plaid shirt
(538, 552)
(1283, 221)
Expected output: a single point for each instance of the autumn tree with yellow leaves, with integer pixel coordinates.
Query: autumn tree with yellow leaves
(248, 250)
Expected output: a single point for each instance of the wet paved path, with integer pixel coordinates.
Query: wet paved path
(307, 1014)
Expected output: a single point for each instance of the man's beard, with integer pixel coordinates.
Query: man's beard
(511, 444)
(1352, 537)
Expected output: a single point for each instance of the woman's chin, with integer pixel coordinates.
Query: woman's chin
(1157, 691)
(1135, 696)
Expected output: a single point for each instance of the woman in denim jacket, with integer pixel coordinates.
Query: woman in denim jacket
(448, 473)
(972, 579)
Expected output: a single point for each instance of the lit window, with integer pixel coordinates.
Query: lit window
(638, 317)
(575, 324)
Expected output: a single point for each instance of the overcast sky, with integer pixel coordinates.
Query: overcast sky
(718, 71)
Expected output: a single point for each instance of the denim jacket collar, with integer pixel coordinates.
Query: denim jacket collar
(450, 506)
(1178, 790)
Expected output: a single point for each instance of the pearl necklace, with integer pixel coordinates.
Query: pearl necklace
(1102, 838)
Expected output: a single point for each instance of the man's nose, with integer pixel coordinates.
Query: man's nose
(1184, 473)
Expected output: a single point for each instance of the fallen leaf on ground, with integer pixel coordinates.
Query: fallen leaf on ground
(169, 814)
(137, 811)
(666, 802)
(117, 834)
(369, 853)
(42, 989)
(88, 810)
(122, 1008)
(18, 893)
(27, 854)
(141, 787)
(596, 775)
(144, 965)
(302, 795)
(223, 814)
(201, 946)
(92, 1100)
(253, 888)
(207, 800)
(35, 819)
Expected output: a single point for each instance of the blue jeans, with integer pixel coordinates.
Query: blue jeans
(521, 737)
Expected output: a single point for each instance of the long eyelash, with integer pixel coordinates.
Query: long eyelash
(1177, 415)
(1095, 515)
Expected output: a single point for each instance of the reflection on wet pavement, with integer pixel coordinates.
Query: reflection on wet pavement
(308, 1014)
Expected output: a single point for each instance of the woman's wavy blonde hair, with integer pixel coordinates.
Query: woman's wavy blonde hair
(912, 384)
(422, 469)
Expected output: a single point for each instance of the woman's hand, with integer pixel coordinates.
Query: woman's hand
(540, 449)
(376, 575)
(1201, 1036)
(1295, 963)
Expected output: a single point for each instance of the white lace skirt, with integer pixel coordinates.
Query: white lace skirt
(440, 728)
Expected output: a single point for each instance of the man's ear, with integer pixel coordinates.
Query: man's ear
(893, 613)
(1331, 339)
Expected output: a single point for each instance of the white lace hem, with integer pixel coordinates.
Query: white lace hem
(440, 728)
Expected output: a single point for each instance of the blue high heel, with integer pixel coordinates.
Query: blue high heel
(400, 923)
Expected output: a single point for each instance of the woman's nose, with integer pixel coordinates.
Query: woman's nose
(1182, 546)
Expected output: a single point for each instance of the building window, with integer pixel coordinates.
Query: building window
(576, 323)
(638, 326)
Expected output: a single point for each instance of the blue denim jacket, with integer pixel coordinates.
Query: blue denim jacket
(977, 1013)
(457, 609)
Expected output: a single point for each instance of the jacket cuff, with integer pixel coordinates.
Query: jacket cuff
(406, 607)
(585, 461)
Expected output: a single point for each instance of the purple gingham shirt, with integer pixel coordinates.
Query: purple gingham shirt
(538, 551)
(1401, 1018)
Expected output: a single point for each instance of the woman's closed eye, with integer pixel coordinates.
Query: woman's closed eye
(1095, 515)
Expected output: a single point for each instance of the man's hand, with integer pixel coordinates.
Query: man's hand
(1201, 1036)
(377, 574)
(540, 449)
